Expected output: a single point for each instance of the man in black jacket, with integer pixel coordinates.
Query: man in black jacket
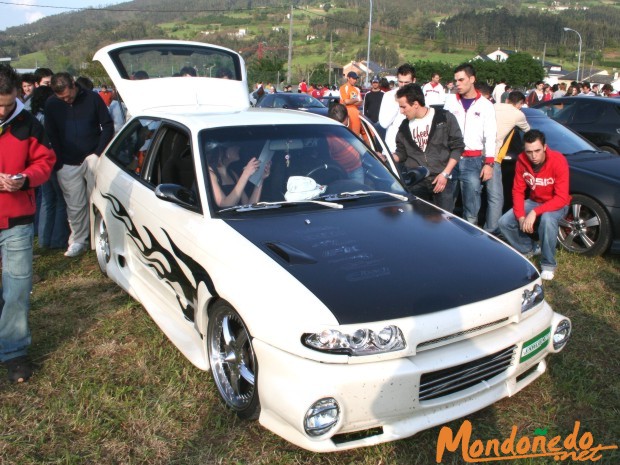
(79, 127)
(431, 138)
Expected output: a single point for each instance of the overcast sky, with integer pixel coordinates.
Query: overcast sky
(17, 12)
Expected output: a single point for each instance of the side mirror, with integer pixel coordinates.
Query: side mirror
(415, 175)
(176, 194)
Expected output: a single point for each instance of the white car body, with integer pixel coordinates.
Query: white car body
(284, 272)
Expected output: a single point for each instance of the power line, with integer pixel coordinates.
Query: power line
(141, 10)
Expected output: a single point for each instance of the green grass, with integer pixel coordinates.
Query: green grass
(111, 389)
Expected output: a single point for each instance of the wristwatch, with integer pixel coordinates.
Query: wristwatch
(491, 163)
(446, 175)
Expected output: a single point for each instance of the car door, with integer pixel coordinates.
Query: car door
(117, 176)
(167, 214)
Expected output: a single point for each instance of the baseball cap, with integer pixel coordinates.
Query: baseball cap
(375, 79)
(352, 74)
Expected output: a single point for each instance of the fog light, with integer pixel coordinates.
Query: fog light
(321, 417)
(561, 334)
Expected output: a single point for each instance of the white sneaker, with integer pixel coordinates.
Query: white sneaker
(75, 250)
(547, 275)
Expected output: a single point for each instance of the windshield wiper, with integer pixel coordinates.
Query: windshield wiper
(358, 194)
(268, 205)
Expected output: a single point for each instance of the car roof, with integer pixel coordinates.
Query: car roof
(251, 117)
(589, 99)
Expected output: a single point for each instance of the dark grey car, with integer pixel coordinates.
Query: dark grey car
(595, 118)
(303, 102)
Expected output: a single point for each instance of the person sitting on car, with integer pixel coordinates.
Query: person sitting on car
(229, 188)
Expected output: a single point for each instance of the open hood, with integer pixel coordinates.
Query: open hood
(177, 75)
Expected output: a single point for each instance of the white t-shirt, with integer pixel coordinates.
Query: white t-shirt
(421, 127)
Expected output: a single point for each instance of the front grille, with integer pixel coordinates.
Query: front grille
(444, 382)
(426, 344)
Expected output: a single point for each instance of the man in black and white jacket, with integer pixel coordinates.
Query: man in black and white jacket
(431, 138)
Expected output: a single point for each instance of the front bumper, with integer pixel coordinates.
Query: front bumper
(382, 398)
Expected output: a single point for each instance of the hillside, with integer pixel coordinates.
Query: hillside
(448, 31)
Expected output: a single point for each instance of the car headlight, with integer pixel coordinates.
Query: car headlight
(359, 342)
(532, 298)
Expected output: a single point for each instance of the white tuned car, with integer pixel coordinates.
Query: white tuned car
(328, 303)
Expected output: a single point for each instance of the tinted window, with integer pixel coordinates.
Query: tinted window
(558, 137)
(587, 112)
(131, 146)
(560, 111)
(171, 160)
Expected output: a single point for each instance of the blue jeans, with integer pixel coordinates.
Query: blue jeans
(16, 247)
(495, 200)
(547, 233)
(466, 175)
(53, 224)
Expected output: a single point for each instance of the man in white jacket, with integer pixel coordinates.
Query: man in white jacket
(390, 116)
(476, 117)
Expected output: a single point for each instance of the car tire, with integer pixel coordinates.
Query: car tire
(586, 228)
(606, 148)
(102, 243)
(233, 362)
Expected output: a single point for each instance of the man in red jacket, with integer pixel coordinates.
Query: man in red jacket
(26, 161)
(544, 172)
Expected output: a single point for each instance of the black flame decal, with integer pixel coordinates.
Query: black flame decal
(151, 257)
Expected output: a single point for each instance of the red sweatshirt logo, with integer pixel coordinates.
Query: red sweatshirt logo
(532, 181)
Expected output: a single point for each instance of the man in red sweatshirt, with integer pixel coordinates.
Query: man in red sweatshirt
(26, 161)
(544, 172)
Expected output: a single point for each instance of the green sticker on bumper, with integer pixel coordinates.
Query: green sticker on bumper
(535, 345)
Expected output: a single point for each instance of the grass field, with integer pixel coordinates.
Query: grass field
(109, 388)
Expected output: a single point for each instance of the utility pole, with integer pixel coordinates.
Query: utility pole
(331, 48)
(368, 50)
(290, 47)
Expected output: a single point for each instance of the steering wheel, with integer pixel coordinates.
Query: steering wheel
(322, 172)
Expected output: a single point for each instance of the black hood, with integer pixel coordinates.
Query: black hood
(387, 261)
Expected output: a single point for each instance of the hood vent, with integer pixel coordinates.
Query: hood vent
(290, 254)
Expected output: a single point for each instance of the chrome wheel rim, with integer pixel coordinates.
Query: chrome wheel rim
(102, 244)
(233, 360)
(580, 229)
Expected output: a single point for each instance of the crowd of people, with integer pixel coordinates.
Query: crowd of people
(52, 131)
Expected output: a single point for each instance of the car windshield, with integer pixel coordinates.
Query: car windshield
(559, 137)
(292, 165)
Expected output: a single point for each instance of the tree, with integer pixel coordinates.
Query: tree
(523, 70)
(488, 71)
(425, 69)
(268, 69)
